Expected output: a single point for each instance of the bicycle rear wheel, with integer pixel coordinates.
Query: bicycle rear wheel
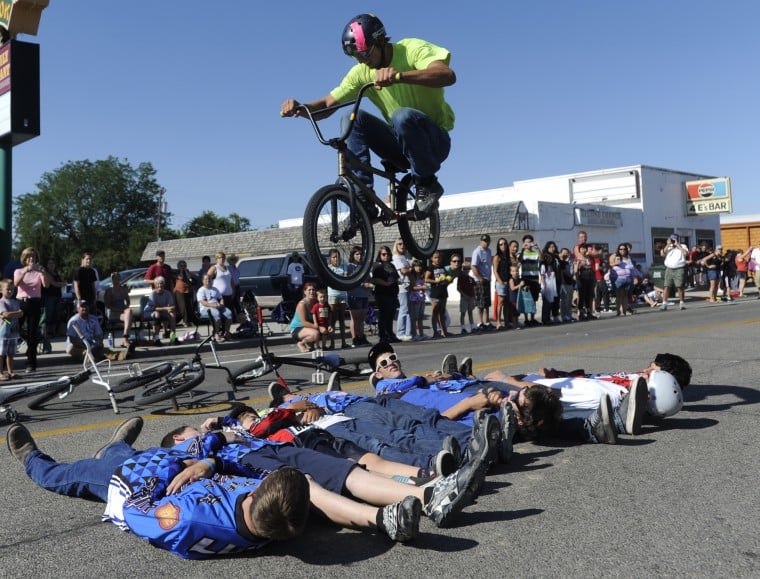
(146, 377)
(330, 224)
(170, 386)
(420, 234)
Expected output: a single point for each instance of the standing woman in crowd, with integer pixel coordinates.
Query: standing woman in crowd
(29, 281)
(742, 269)
(337, 300)
(183, 294)
(385, 278)
(586, 280)
(358, 301)
(404, 268)
(550, 284)
(222, 276)
(51, 299)
(621, 276)
(501, 264)
(438, 281)
(713, 264)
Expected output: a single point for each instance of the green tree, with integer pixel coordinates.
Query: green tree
(209, 223)
(107, 207)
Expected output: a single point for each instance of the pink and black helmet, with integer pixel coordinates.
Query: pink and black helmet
(362, 33)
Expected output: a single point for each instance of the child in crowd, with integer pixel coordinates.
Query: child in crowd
(10, 312)
(466, 289)
(649, 292)
(417, 289)
(516, 283)
(321, 313)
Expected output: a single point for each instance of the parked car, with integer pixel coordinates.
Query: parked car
(266, 276)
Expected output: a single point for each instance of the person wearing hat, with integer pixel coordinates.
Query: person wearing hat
(480, 271)
(676, 255)
(89, 333)
(160, 269)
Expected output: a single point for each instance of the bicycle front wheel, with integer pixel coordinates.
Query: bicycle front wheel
(148, 376)
(420, 234)
(171, 386)
(39, 401)
(251, 371)
(330, 224)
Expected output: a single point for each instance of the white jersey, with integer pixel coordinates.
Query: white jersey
(580, 396)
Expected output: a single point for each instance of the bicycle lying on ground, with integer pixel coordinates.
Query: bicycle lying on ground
(165, 380)
(320, 362)
(60, 388)
(336, 217)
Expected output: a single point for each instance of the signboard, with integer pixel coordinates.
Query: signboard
(19, 91)
(708, 196)
(6, 6)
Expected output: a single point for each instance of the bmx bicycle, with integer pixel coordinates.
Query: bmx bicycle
(60, 388)
(336, 216)
(167, 380)
(318, 361)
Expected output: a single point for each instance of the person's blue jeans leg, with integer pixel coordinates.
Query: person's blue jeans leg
(404, 320)
(87, 478)
(371, 133)
(423, 143)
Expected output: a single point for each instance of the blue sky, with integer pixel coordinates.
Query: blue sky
(544, 88)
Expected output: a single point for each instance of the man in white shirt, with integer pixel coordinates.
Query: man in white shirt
(676, 255)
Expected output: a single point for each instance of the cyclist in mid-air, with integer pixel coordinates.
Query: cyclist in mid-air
(410, 76)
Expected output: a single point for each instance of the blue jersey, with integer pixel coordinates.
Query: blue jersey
(333, 402)
(205, 518)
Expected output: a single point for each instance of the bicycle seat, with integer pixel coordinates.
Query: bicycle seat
(392, 167)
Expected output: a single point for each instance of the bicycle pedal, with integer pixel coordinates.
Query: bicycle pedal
(318, 377)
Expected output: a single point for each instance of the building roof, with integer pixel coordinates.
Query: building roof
(460, 222)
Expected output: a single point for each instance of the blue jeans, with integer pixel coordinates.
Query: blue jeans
(397, 430)
(404, 320)
(87, 478)
(412, 140)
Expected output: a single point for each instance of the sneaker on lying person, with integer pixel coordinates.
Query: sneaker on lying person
(401, 521)
(428, 190)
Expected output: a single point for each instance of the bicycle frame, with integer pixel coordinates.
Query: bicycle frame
(346, 162)
(90, 370)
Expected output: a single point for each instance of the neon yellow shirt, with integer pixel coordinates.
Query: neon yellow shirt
(408, 54)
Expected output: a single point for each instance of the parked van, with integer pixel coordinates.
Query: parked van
(267, 275)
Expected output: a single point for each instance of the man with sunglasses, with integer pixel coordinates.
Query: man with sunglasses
(410, 76)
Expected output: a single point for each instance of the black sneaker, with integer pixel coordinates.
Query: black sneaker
(452, 493)
(633, 406)
(128, 431)
(401, 521)
(20, 442)
(157, 343)
(443, 464)
(508, 424)
(451, 445)
(600, 427)
(276, 393)
(465, 368)
(485, 438)
(449, 364)
(429, 190)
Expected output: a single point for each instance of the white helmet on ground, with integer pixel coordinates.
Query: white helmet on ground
(665, 396)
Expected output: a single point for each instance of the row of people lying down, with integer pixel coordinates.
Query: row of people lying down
(422, 445)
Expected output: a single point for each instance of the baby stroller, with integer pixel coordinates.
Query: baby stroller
(249, 328)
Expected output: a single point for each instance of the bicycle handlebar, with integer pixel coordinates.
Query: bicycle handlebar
(336, 142)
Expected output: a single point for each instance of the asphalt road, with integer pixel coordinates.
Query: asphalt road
(679, 500)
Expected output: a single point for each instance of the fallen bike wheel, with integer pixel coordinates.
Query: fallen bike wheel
(146, 377)
(39, 401)
(251, 371)
(330, 224)
(420, 234)
(170, 386)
